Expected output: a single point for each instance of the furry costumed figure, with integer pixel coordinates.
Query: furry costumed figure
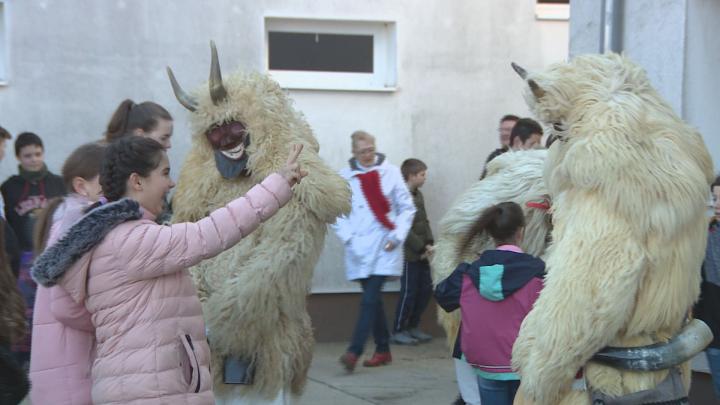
(512, 176)
(629, 184)
(254, 295)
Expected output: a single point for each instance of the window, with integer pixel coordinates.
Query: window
(331, 54)
(3, 44)
(552, 10)
(320, 52)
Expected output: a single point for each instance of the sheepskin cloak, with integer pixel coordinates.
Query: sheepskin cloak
(629, 181)
(254, 294)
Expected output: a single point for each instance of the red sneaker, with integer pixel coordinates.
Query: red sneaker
(378, 359)
(349, 360)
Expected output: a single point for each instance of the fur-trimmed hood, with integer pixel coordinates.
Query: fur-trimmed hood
(355, 166)
(81, 238)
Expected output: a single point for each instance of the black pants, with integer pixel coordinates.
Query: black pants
(415, 292)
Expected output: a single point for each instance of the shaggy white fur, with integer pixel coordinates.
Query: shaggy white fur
(512, 176)
(254, 294)
(629, 182)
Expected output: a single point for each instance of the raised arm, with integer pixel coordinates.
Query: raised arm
(153, 250)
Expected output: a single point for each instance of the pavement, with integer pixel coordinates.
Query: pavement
(418, 375)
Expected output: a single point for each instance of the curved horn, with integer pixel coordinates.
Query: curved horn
(217, 90)
(185, 99)
(691, 340)
(520, 71)
(536, 89)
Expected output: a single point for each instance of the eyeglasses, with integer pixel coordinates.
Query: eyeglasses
(365, 151)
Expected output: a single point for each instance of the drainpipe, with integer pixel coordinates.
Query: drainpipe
(611, 26)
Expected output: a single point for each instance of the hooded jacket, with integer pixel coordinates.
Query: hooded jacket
(131, 274)
(494, 295)
(63, 336)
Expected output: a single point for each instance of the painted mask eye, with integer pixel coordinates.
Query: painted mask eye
(237, 129)
(216, 135)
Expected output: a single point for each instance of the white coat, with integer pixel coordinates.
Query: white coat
(363, 235)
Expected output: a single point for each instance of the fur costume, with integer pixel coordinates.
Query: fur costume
(254, 294)
(629, 182)
(513, 176)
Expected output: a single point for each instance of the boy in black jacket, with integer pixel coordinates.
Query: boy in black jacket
(416, 283)
(25, 194)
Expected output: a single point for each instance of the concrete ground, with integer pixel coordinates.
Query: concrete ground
(418, 375)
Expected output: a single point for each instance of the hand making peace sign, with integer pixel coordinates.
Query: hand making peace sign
(292, 171)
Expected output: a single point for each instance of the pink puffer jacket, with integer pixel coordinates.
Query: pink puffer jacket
(149, 329)
(63, 336)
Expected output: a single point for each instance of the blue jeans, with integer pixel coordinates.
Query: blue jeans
(497, 392)
(713, 358)
(372, 314)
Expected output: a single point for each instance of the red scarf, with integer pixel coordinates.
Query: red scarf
(379, 205)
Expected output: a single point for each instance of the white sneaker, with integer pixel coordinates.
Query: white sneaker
(403, 338)
(419, 335)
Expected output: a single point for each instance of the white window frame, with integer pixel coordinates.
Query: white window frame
(383, 78)
(4, 44)
(553, 12)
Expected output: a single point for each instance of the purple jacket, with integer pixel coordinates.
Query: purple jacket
(494, 294)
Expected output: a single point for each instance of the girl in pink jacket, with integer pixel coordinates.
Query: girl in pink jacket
(63, 335)
(131, 274)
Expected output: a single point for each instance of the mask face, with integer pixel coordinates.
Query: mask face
(232, 168)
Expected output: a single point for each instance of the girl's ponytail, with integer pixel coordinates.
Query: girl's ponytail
(129, 117)
(118, 125)
(501, 221)
(43, 224)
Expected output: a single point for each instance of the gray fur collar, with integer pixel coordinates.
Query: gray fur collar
(82, 237)
(355, 166)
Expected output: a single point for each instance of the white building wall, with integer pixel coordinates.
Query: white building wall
(72, 61)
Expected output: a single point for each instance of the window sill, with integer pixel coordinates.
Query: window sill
(341, 88)
(552, 12)
(4, 83)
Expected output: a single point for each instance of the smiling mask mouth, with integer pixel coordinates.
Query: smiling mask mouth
(232, 163)
(236, 152)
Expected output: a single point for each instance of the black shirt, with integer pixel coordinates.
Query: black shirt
(24, 199)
